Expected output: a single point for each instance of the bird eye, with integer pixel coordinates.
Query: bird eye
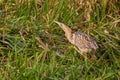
(61, 24)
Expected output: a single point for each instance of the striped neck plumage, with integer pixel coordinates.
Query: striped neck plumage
(66, 29)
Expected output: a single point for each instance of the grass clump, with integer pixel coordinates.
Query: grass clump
(33, 47)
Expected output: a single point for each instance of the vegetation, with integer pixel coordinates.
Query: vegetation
(33, 47)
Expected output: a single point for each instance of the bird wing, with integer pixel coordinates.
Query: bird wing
(83, 41)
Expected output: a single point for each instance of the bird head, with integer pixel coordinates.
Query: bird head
(60, 24)
(66, 29)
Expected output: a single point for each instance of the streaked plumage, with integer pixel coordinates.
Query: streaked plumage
(82, 41)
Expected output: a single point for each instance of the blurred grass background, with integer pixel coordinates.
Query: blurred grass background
(32, 47)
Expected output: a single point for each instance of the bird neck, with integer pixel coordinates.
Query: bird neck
(68, 34)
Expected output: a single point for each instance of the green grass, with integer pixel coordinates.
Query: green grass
(33, 47)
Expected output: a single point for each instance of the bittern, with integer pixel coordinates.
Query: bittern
(81, 41)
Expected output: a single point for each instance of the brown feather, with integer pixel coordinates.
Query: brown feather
(82, 41)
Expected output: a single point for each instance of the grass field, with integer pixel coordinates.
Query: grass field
(33, 47)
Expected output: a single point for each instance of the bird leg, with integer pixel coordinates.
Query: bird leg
(83, 54)
(93, 56)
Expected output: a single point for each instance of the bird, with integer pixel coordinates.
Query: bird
(82, 42)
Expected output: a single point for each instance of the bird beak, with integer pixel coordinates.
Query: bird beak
(59, 23)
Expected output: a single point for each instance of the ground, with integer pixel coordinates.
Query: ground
(32, 46)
